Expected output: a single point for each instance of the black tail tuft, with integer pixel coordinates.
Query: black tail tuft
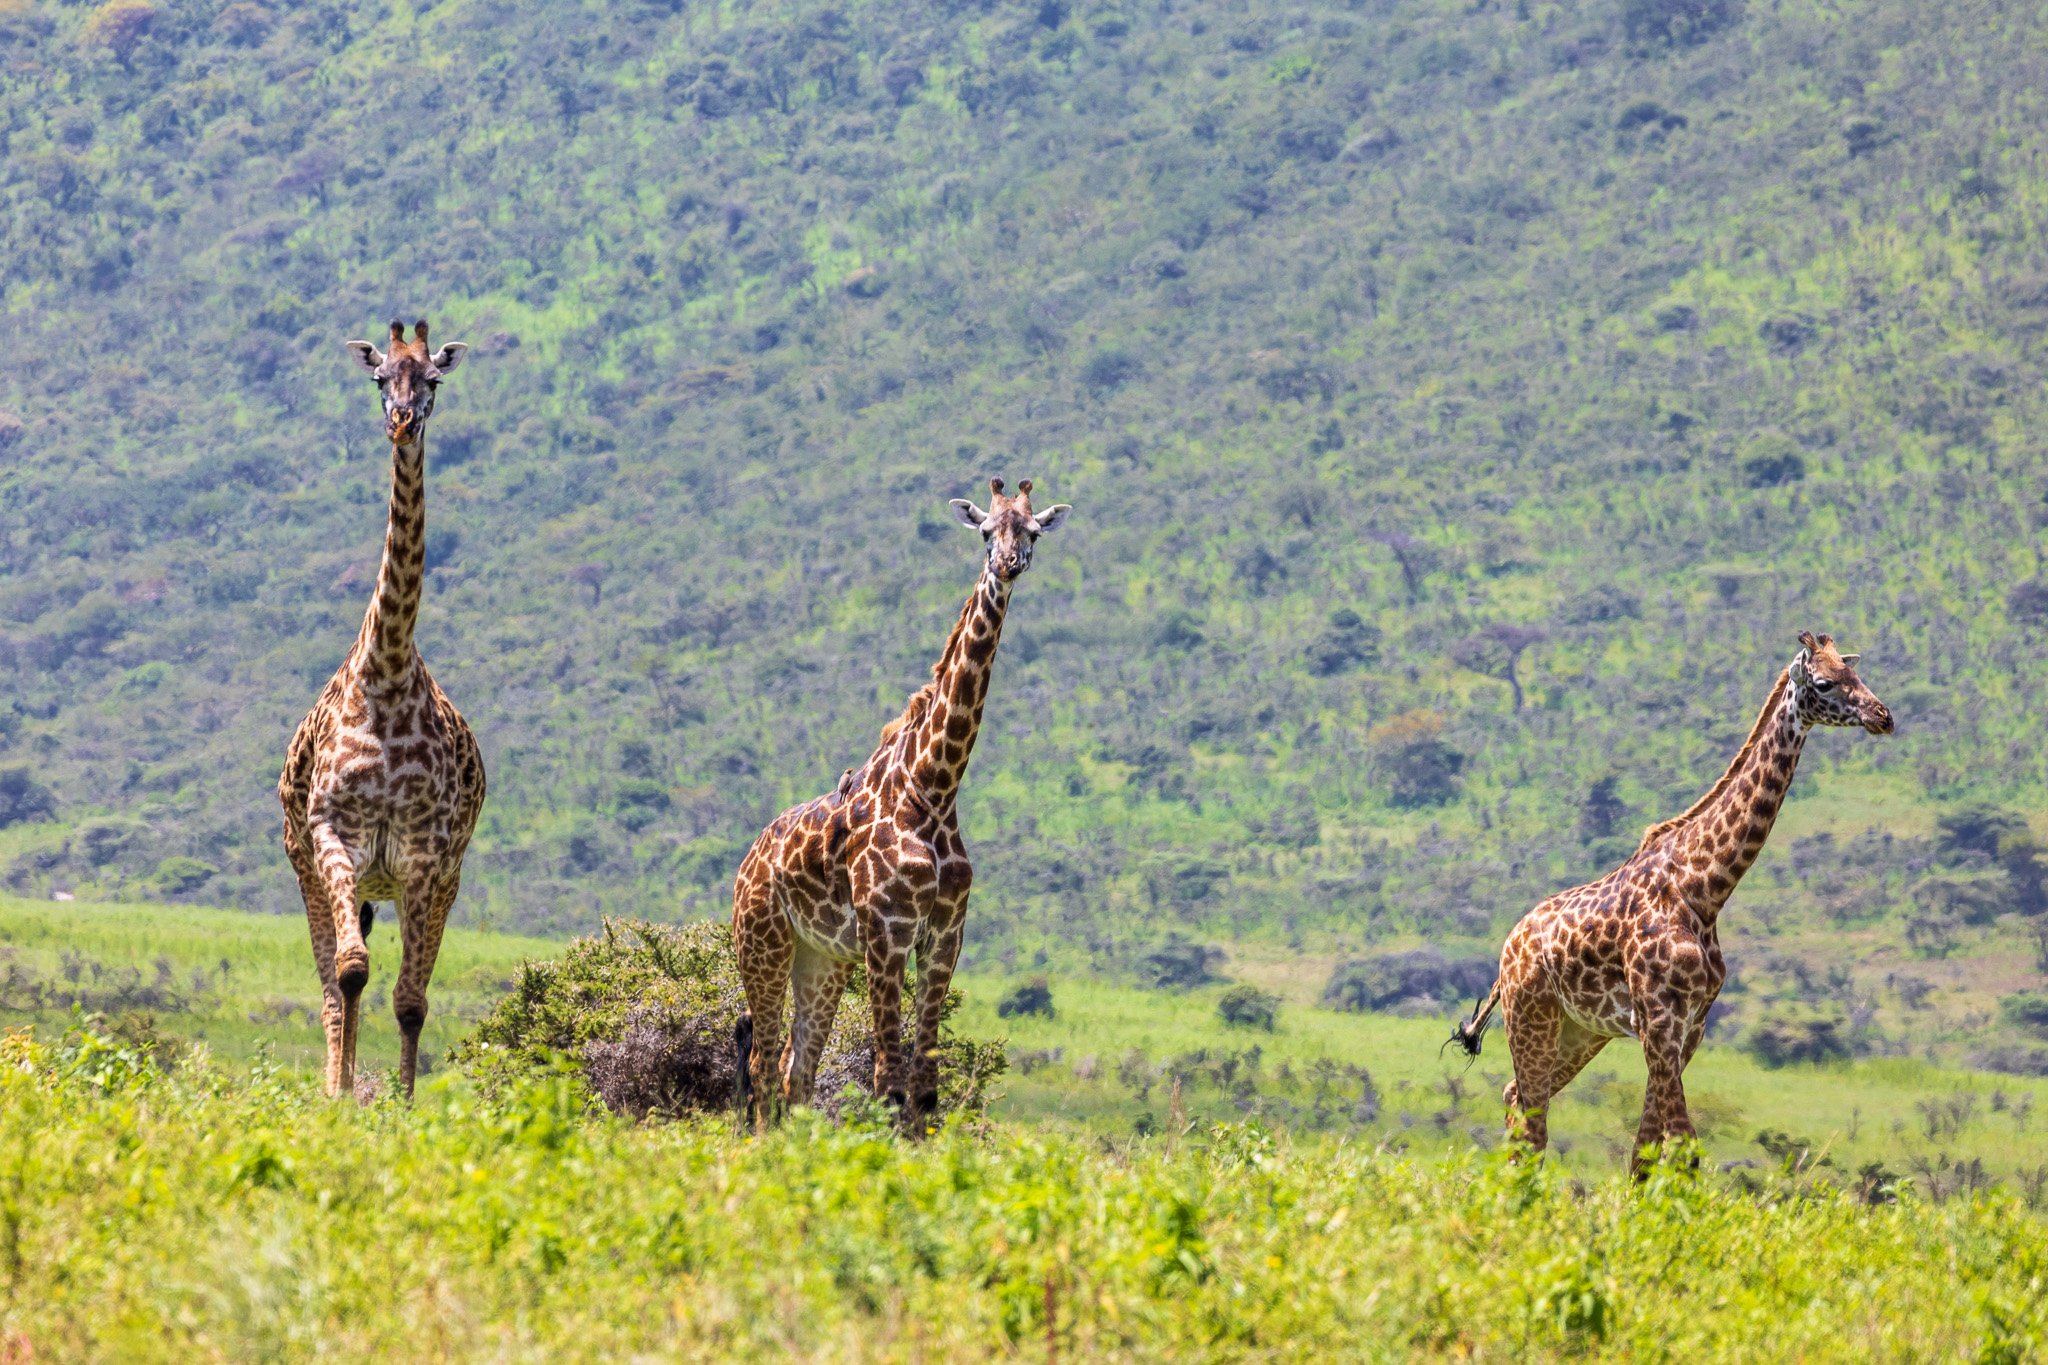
(743, 1044)
(1468, 1034)
(366, 917)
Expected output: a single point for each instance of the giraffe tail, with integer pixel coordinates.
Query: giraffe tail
(743, 1045)
(1468, 1034)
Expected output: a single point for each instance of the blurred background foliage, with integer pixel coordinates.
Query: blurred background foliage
(1464, 406)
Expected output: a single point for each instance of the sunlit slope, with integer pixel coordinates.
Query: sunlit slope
(1387, 354)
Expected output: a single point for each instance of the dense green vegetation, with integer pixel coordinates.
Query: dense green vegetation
(194, 1213)
(1463, 407)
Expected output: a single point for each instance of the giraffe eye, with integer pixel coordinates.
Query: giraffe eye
(1823, 684)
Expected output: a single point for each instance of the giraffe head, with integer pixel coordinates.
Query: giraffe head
(1009, 527)
(1828, 690)
(407, 374)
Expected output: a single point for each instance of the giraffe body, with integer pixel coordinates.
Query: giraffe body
(876, 869)
(1637, 954)
(383, 782)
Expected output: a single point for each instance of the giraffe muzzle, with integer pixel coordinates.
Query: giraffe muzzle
(1880, 723)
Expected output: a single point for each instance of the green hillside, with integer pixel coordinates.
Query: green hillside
(1463, 406)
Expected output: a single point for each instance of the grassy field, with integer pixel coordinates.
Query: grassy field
(203, 1215)
(1103, 1067)
(236, 982)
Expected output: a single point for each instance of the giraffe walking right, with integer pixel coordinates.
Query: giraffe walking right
(1638, 952)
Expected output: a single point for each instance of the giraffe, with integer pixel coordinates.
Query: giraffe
(876, 867)
(383, 782)
(1637, 953)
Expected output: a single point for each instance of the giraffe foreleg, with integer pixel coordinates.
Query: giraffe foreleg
(1665, 1115)
(889, 920)
(336, 868)
(422, 919)
(320, 927)
(937, 952)
(816, 984)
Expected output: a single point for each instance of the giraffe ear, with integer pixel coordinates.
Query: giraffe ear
(1850, 659)
(368, 356)
(449, 356)
(968, 515)
(1051, 517)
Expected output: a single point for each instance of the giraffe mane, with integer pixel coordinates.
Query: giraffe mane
(1756, 733)
(913, 713)
(920, 702)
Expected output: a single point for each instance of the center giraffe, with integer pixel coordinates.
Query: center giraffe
(1638, 953)
(876, 868)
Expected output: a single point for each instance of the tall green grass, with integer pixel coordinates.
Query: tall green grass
(202, 1215)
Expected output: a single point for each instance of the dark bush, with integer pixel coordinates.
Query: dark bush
(1418, 978)
(2028, 1010)
(2028, 602)
(23, 798)
(1420, 769)
(1599, 603)
(2013, 1061)
(1346, 643)
(1033, 997)
(648, 1012)
(1768, 471)
(1787, 334)
(1677, 23)
(1972, 833)
(1179, 965)
(1601, 813)
(1249, 1007)
(181, 876)
(1107, 371)
(1783, 1038)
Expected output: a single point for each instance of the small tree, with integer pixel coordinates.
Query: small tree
(1249, 1007)
(1602, 812)
(1421, 769)
(1497, 652)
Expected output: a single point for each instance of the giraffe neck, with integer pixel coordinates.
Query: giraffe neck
(1718, 840)
(384, 647)
(936, 751)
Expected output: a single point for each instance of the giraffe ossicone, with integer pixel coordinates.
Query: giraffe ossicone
(876, 869)
(383, 782)
(1638, 952)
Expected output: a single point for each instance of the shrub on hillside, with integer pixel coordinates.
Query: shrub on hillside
(1249, 1007)
(1027, 997)
(23, 798)
(2028, 1010)
(1782, 1038)
(1421, 978)
(647, 1011)
(1420, 769)
(1179, 965)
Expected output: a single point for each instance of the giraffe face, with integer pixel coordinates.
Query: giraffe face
(407, 375)
(1009, 528)
(1830, 693)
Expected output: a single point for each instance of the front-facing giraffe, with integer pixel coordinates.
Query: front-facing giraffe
(383, 782)
(876, 867)
(1637, 953)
